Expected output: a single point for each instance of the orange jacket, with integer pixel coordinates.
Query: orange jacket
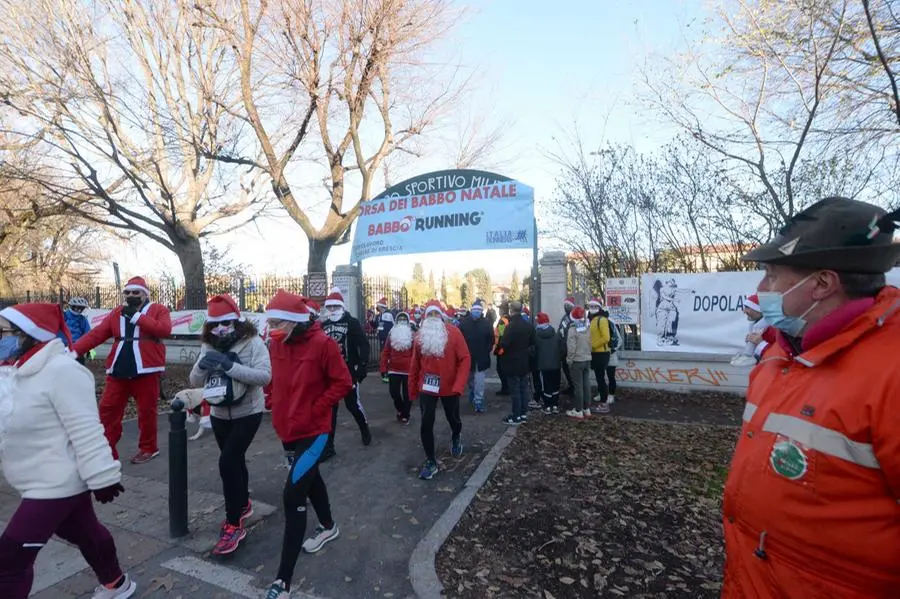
(811, 503)
(453, 368)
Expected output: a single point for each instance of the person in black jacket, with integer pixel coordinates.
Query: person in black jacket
(351, 338)
(517, 345)
(479, 336)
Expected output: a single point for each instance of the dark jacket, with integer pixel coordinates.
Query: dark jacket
(353, 343)
(479, 335)
(517, 344)
(548, 347)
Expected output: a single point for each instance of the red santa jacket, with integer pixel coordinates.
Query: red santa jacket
(452, 368)
(394, 361)
(309, 377)
(152, 325)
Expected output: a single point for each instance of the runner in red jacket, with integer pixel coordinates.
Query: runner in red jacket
(395, 359)
(438, 371)
(133, 366)
(308, 379)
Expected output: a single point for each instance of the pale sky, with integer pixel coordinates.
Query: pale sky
(545, 68)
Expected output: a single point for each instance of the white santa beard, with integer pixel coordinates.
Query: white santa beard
(401, 337)
(433, 337)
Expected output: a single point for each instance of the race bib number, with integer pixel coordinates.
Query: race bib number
(216, 387)
(432, 384)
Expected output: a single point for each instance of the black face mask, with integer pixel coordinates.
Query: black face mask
(224, 342)
(569, 310)
(134, 301)
(300, 330)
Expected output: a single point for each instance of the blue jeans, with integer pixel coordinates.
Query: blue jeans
(476, 387)
(518, 393)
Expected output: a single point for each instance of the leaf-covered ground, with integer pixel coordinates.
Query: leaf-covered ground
(600, 508)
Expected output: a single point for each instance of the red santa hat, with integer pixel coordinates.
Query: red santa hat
(404, 314)
(578, 313)
(451, 312)
(335, 298)
(314, 307)
(287, 306)
(220, 308)
(382, 303)
(41, 322)
(137, 284)
(752, 302)
(433, 306)
(569, 301)
(595, 302)
(526, 311)
(542, 318)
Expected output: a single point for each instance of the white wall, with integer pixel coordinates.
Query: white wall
(681, 372)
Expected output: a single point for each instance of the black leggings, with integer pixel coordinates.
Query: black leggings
(451, 411)
(399, 388)
(599, 363)
(304, 482)
(611, 377)
(234, 438)
(354, 406)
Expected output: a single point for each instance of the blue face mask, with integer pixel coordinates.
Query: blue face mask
(9, 347)
(771, 304)
(475, 314)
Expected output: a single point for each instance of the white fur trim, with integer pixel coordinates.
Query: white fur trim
(595, 302)
(431, 309)
(135, 317)
(751, 305)
(224, 317)
(27, 325)
(285, 315)
(334, 302)
(133, 287)
(387, 317)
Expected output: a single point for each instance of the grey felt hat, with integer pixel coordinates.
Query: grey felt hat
(836, 234)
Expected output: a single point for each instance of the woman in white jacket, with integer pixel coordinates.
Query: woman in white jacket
(232, 349)
(54, 453)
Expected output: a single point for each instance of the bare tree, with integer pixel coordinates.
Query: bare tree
(786, 84)
(356, 84)
(129, 103)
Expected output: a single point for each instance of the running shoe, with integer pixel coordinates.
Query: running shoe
(555, 409)
(512, 420)
(428, 470)
(143, 457)
(456, 447)
(126, 588)
(576, 414)
(229, 540)
(320, 538)
(366, 435)
(278, 590)
(547, 410)
(246, 512)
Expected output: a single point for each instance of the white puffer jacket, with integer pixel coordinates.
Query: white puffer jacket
(51, 440)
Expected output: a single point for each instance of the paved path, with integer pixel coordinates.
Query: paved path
(383, 510)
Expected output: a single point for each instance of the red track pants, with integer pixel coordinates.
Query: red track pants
(145, 391)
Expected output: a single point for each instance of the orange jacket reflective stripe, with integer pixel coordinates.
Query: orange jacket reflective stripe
(811, 502)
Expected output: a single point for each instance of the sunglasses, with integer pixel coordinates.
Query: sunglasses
(77, 309)
(131, 292)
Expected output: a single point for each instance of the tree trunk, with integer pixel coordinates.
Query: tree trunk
(319, 249)
(190, 254)
(6, 289)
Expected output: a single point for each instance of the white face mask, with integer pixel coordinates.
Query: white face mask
(335, 315)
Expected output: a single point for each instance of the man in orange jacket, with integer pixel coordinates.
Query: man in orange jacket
(811, 503)
(135, 362)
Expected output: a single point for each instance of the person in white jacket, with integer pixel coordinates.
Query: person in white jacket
(232, 354)
(54, 453)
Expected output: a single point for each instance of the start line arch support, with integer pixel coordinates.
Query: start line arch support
(449, 210)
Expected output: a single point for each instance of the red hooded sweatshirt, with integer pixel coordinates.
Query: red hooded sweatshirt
(452, 369)
(308, 378)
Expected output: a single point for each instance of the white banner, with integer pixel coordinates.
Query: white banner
(184, 322)
(700, 313)
(623, 300)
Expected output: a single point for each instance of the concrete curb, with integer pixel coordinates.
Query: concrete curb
(422, 572)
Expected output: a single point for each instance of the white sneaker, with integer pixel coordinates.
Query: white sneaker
(127, 589)
(277, 591)
(597, 398)
(586, 413)
(611, 400)
(577, 414)
(320, 538)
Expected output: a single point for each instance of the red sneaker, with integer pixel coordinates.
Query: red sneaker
(142, 457)
(246, 512)
(229, 540)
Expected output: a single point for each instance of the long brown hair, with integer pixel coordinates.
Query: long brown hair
(243, 329)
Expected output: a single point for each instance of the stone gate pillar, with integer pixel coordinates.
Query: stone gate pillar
(346, 278)
(553, 285)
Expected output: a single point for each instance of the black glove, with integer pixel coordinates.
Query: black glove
(107, 494)
(213, 359)
(129, 311)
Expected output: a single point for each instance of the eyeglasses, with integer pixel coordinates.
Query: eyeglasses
(128, 292)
